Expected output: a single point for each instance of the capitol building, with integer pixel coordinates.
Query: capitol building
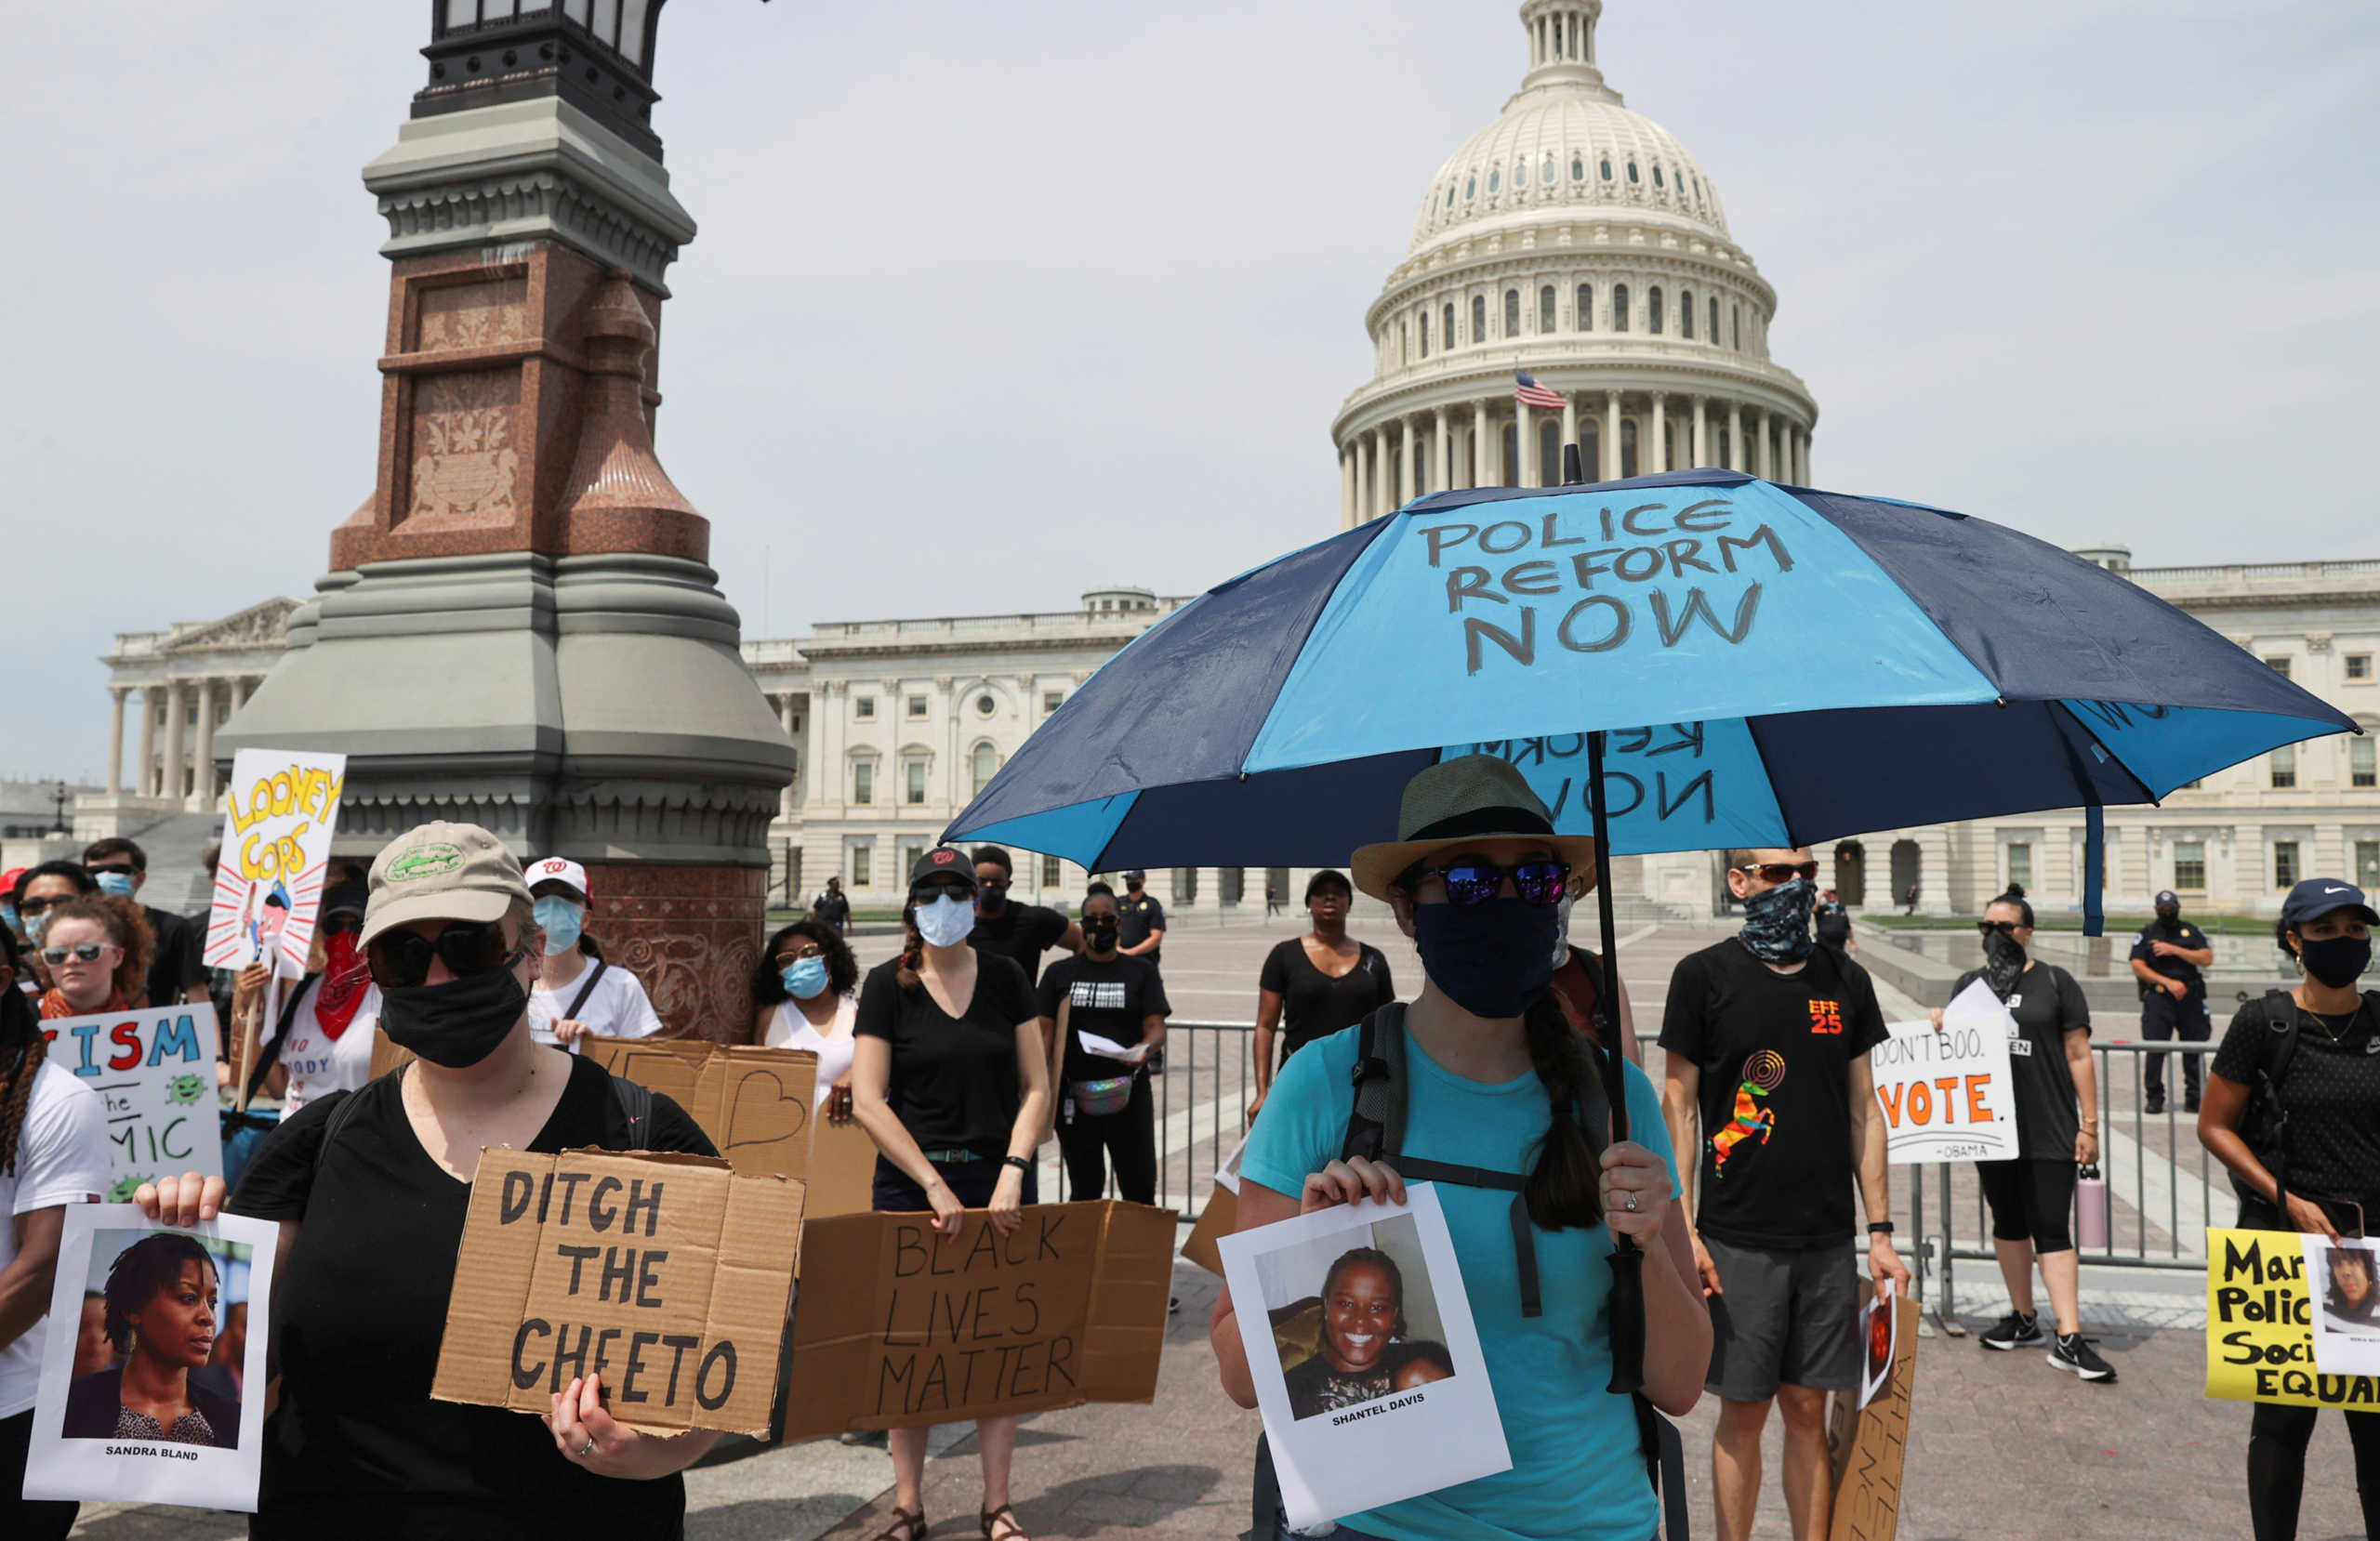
(1582, 243)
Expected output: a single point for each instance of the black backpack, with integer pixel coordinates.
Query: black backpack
(2264, 1124)
(1376, 1131)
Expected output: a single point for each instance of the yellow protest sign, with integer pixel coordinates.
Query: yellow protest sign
(2260, 1326)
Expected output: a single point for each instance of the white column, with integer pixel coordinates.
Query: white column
(172, 785)
(1802, 444)
(1768, 445)
(789, 805)
(1736, 460)
(1570, 434)
(1478, 467)
(1612, 436)
(1347, 488)
(1661, 436)
(1701, 433)
(142, 783)
(1525, 445)
(1445, 462)
(115, 741)
(1412, 488)
(1367, 454)
(203, 766)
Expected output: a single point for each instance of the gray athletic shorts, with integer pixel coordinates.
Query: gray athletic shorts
(1789, 1317)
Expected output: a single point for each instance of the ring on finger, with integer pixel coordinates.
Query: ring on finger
(588, 1449)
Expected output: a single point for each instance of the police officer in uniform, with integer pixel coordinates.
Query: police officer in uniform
(1141, 920)
(1833, 924)
(2167, 958)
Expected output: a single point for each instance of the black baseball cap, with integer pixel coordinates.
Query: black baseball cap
(942, 861)
(1136, 876)
(2319, 896)
(2166, 898)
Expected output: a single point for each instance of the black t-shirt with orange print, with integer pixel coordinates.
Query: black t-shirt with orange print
(1775, 1050)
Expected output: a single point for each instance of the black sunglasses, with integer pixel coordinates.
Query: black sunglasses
(400, 959)
(36, 906)
(926, 894)
(1471, 881)
(342, 922)
(1782, 872)
(2005, 928)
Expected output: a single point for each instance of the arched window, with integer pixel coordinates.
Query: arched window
(1577, 166)
(1478, 317)
(1445, 327)
(1586, 306)
(1591, 450)
(1606, 169)
(983, 766)
(1511, 312)
(1684, 313)
(1495, 178)
(1628, 446)
(1549, 452)
(1653, 310)
(1512, 456)
(1545, 171)
(1632, 173)
(1735, 327)
(1471, 185)
(1520, 177)
(1620, 307)
(1545, 324)
(1714, 320)
(1450, 196)
(1404, 343)
(1656, 175)
(1426, 333)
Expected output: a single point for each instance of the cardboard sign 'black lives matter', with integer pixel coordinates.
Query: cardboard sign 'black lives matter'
(755, 1104)
(666, 1274)
(900, 1327)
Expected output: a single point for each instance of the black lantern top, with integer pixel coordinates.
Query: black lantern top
(596, 55)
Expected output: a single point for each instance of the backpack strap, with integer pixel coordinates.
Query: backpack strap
(268, 1054)
(2287, 1022)
(1376, 1121)
(585, 990)
(636, 1108)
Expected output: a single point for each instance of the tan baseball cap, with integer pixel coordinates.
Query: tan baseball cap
(442, 870)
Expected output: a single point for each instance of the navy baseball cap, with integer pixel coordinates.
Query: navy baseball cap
(2166, 897)
(2319, 896)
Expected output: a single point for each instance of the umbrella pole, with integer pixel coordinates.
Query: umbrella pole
(1627, 1263)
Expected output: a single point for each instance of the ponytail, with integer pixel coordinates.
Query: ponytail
(913, 948)
(1565, 1185)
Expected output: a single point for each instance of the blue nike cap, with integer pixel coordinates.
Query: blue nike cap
(2320, 896)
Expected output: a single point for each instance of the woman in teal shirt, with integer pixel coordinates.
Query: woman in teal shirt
(1490, 1062)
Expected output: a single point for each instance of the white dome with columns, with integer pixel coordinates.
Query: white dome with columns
(1582, 242)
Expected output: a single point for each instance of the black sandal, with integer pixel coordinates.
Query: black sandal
(909, 1524)
(991, 1518)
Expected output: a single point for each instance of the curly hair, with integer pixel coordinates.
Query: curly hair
(1359, 1257)
(140, 1271)
(127, 926)
(768, 976)
(22, 1049)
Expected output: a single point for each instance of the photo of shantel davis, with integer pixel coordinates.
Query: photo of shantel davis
(1368, 1327)
(167, 1314)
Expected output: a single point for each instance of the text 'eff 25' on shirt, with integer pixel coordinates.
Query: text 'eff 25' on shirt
(1775, 1051)
(358, 1448)
(1576, 1474)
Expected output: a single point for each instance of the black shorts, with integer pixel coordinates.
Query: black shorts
(1783, 1317)
(2031, 1199)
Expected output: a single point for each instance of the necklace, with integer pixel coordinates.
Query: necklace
(2342, 1029)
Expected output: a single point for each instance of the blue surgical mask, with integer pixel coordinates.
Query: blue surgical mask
(804, 978)
(563, 920)
(116, 883)
(35, 924)
(8, 919)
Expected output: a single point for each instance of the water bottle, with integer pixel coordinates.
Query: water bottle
(2090, 1210)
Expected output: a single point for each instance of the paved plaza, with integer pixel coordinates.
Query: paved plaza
(2002, 1446)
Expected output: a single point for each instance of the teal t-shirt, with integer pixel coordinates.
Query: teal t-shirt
(1577, 1474)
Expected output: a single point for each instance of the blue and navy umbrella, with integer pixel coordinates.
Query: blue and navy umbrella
(1771, 666)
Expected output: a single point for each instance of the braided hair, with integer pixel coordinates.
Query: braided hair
(22, 1049)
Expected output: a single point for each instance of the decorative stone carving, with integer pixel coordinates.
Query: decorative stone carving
(2318, 641)
(465, 461)
(465, 213)
(473, 315)
(257, 627)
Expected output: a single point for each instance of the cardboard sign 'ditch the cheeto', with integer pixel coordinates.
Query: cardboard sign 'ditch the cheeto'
(1870, 1442)
(666, 1274)
(901, 1328)
(755, 1104)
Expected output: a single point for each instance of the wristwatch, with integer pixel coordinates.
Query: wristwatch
(1018, 1162)
(1880, 1227)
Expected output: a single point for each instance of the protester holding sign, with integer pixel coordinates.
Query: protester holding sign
(1316, 984)
(570, 998)
(806, 988)
(1106, 1113)
(321, 1042)
(97, 950)
(1495, 1079)
(164, 1299)
(2032, 1196)
(53, 1152)
(371, 1189)
(949, 1080)
(2312, 1055)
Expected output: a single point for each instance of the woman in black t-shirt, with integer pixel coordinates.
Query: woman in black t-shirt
(948, 1079)
(2032, 1194)
(2331, 1091)
(1319, 984)
(371, 1189)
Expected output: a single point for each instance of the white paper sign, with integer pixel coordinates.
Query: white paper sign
(1356, 1414)
(154, 1068)
(187, 1309)
(2343, 1288)
(280, 809)
(1949, 1096)
(1879, 1331)
(1113, 1049)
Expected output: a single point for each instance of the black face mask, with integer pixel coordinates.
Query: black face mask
(2170, 919)
(2004, 962)
(456, 1025)
(1100, 935)
(1494, 959)
(991, 901)
(2337, 961)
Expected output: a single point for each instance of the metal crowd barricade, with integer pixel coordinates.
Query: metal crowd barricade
(1201, 1113)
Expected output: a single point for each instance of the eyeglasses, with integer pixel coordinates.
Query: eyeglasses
(1781, 872)
(400, 959)
(124, 867)
(1470, 881)
(341, 924)
(807, 950)
(926, 894)
(30, 906)
(2005, 928)
(82, 952)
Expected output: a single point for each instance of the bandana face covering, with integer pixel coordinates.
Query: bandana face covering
(345, 978)
(1777, 922)
(1493, 959)
(457, 1024)
(946, 922)
(2004, 962)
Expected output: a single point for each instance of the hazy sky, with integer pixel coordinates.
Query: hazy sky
(993, 303)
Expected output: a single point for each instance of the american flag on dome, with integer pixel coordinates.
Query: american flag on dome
(1529, 393)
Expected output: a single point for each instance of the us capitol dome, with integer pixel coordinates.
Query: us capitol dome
(1582, 243)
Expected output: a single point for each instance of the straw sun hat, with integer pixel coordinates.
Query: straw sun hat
(1460, 802)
